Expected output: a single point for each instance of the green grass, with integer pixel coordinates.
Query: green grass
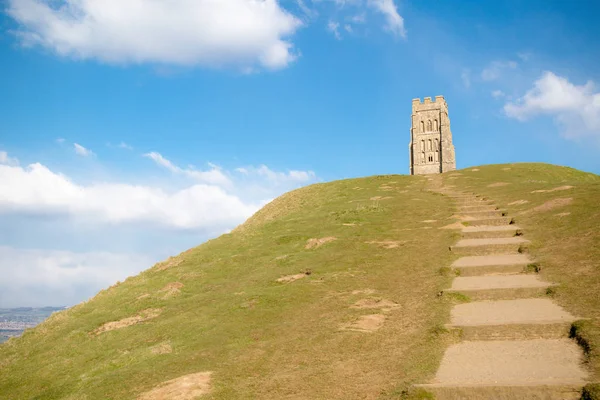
(263, 339)
(268, 340)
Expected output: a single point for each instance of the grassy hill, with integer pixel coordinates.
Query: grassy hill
(329, 292)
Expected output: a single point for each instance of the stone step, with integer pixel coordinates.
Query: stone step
(549, 369)
(482, 246)
(511, 319)
(497, 231)
(499, 287)
(540, 392)
(483, 214)
(466, 209)
(491, 221)
(474, 202)
(491, 264)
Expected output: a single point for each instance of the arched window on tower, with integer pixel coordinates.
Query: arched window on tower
(422, 157)
(435, 125)
(437, 144)
(429, 144)
(422, 126)
(430, 158)
(437, 156)
(422, 145)
(429, 126)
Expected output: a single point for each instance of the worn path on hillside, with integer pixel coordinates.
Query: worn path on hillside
(515, 341)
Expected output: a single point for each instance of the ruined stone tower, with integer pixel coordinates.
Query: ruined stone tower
(430, 150)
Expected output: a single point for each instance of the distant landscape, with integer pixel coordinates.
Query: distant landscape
(13, 321)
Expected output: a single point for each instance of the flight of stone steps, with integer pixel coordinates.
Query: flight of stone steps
(514, 342)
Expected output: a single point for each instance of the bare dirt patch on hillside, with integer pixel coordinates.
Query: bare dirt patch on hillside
(365, 323)
(387, 244)
(554, 203)
(171, 289)
(314, 243)
(162, 348)
(380, 198)
(383, 304)
(291, 278)
(429, 221)
(498, 184)
(563, 214)
(144, 315)
(364, 291)
(456, 225)
(518, 202)
(556, 189)
(187, 387)
(169, 263)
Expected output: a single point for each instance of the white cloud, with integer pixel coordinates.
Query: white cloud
(179, 32)
(575, 108)
(465, 77)
(496, 68)
(60, 140)
(395, 22)
(334, 27)
(34, 277)
(125, 146)
(37, 190)
(82, 151)
(214, 176)
(497, 94)
(6, 160)
(278, 177)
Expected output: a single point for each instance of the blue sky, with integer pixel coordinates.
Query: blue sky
(132, 132)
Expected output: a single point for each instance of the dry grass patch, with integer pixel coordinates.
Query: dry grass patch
(554, 203)
(518, 202)
(162, 348)
(556, 189)
(383, 304)
(455, 225)
(365, 323)
(429, 221)
(380, 198)
(498, 184)
(143, 316)
(169, 263)
(171, 289)
(364, 291)
(387, 244)
(187, 387)
(292, 278)
(314, 243)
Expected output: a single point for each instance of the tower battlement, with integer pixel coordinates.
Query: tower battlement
(431, 149)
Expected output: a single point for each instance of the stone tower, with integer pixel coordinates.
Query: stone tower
(431, 149)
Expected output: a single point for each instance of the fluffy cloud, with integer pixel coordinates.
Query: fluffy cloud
(180, 32)
(278, 177)
(61, 278)
(334, 28)
(496, 68)
(214, 176)
(37, 190)
(82, 151)
(497, 94)
(6, 160)
(395, 22)
(575, 108)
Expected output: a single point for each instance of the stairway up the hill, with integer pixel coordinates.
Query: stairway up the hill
(515, 341)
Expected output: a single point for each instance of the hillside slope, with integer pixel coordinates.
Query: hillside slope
(357, 314)
(219, 308)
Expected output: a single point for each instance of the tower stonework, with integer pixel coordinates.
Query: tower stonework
(430, 150)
